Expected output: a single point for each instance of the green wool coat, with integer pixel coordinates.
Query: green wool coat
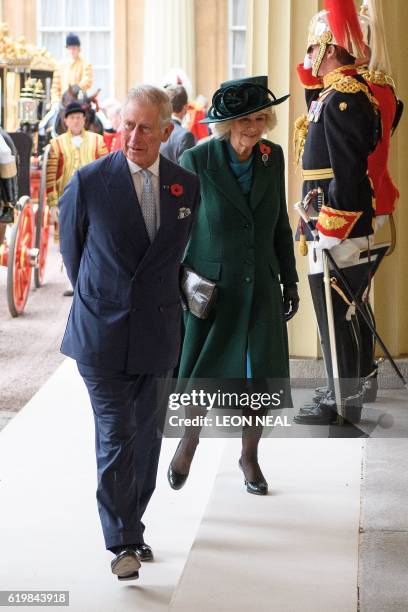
(247, 248)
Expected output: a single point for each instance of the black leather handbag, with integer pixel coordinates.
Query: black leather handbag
(199, 293)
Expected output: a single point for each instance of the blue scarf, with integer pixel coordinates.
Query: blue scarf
(242, 170)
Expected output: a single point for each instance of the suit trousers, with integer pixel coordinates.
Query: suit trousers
(128, 415)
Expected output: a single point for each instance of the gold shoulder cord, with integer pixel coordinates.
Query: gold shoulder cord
(349, 85)
(336, 75)
(378, 77)
(299, 136)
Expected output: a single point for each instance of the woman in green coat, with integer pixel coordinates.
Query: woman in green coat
(242, 240)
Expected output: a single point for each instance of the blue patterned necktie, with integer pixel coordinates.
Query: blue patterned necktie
(148, 204)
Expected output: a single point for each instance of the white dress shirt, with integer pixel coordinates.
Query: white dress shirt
(138, 183)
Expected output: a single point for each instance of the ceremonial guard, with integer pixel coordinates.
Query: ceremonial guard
(376, 73)
(341, 130)
(73, 71)
(70, 151)
(375, 70)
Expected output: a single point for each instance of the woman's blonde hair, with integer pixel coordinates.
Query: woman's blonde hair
(222, 129)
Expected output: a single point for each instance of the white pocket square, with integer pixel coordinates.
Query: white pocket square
(184, 212)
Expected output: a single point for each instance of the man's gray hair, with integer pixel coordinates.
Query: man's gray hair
(148, 94)
(222, 129)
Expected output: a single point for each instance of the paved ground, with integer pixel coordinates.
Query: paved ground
(300, 546)
(29, 344)
(29, 354)
(383, 563)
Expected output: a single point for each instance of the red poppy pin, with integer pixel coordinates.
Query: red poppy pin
(176, 190)
(265, 150)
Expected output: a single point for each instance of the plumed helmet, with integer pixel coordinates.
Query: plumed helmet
(337, 25)
(372, 24)
(365, 22)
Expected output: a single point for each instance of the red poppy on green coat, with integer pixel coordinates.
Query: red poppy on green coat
(265, 150)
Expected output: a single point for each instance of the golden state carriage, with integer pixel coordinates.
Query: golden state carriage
(25, 85)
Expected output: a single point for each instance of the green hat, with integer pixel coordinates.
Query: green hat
(241, 97)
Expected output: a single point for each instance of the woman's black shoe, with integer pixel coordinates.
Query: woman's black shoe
(176, 480)
(256, 488)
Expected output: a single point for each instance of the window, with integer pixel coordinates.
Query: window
(237, 25)
(92, 20)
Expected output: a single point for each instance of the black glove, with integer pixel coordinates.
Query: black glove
(290, 301)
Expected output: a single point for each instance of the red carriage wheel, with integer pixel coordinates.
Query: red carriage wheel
(41, 243)
(42, 224)
(19, 265)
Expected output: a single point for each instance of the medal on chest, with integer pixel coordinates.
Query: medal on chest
(315, 111)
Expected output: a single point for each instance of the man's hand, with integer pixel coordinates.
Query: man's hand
(290, 301)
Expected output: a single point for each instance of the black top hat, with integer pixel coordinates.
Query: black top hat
(241, 97)
(73, 107)
(72, 40)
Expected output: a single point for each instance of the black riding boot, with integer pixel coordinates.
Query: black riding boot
(368, 365)
(325, 410)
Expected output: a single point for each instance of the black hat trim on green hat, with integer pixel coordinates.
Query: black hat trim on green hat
(238, 100)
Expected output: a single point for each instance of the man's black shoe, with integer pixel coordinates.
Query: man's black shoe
(126, 564)
(318, 414)
(7, 215)
(326, 400)
(132, 576)
(321, 393)
(144, 552)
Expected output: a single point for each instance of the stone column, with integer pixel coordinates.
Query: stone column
(390, 296)
(21, 16)
(211, 41)
(277, 35)
(169, 39)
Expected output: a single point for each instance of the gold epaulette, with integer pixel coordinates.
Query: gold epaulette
(348, 84)
(377, 77)
(299, 136)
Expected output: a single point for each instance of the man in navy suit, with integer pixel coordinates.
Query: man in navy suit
(124, 224)
(180, 139)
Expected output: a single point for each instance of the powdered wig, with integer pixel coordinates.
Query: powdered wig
(222, 129)
(148, 94)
